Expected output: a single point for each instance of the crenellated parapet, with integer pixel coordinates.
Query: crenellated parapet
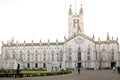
(17, 44)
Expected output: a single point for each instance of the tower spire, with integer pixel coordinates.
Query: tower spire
(70, 10)
(107, 38)
(81, 11)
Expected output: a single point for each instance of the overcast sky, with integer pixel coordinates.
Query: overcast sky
(48, 19)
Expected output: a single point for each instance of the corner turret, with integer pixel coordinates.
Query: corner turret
(107, 38)
(81, 11)
(70, 11)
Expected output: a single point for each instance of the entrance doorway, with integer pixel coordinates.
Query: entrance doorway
(79, 64)
(113, 64)
(44, 65)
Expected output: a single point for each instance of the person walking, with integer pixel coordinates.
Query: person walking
(78, 68)
(18, 70)
(114, 69)
(118, 69)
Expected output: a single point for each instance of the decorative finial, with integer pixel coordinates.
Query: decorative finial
(107, 36)
(24, 41)
(2, 42)
(70, 6)
(65, 37)
(70, 10)
(48, 40)
(112, 37)
(32, 41)
(81, 5)
(81, 11)
(99, 40)
(17, 41)
(40, 40)
(12, 40)
(117, 38)
(93, 36)
(56, 40)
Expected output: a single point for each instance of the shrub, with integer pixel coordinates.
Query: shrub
(32, 73)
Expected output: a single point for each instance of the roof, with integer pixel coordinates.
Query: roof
(32, 44)
(82, 35)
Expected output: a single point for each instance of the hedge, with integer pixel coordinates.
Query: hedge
(35, 74)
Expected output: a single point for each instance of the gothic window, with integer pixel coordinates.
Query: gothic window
(79, 54)
(44, 55)
(7, 56)
(28, 65)
(101, 56)
(36, 65)
(48, 56)
(21, 58)
(36, 56)
(88, 54)
(13, 56)
(52, 55)
(28, 56)
(44, 65)
(58, 56)
(70, 54)
(61, 55)
(39, 56)
(112, 55)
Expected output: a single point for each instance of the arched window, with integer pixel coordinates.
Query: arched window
(53, 55)
(61, 55)
(39, 56)
(36, 65)
(36, 55)
(13, 56)
(88, 54)
(112, 54)
(79, 54)
(28, 65)
(21, 57)
(58, 56)
(28, 56)
(44, 55)
(7, 56)
(70, 54)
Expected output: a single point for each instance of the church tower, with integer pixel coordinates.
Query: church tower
(75, 23)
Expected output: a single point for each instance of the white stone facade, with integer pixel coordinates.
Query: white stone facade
(77, 49)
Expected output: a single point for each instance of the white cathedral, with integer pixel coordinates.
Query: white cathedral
(77, 49)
